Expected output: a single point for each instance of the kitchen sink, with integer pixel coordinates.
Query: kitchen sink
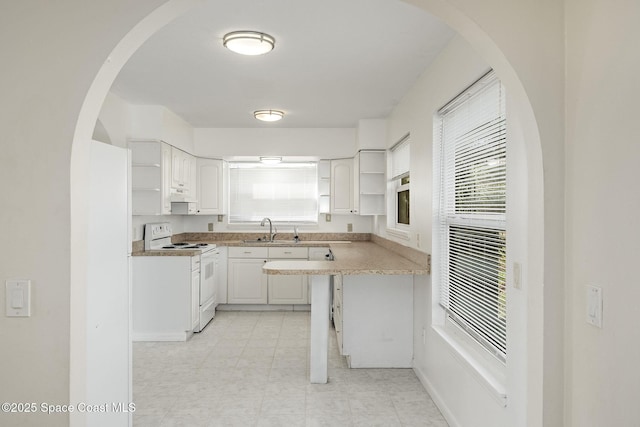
(274, 242)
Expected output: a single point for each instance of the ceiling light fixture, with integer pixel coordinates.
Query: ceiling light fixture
(268, 115)
(248, 42)
(270, 160)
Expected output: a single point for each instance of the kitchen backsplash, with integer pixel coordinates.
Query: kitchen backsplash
(197, 223)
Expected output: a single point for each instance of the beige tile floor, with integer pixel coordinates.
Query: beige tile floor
(252, 369)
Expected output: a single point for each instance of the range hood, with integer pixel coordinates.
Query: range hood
(184, 208)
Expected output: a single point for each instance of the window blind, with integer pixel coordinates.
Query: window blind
(286, 193)
(472, 212)
(400, 158)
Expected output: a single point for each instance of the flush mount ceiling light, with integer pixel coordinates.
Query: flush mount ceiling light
(268, 115)
(270, 160)
(248, 42)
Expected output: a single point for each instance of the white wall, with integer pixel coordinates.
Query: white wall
(156, 122)
(436, 362)
(603, 201)
(116, 119)
(338, 224)
(54, 52)
(324, 143)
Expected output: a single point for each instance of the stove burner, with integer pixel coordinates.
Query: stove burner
(202, 244)
(169, 247)
(189, 247)
(180, 244)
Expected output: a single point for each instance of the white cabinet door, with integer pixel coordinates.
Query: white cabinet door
(342, 186)
(210, 187)
(193, 177)
(176, 168)
(356, 183)
(247, 282)
(195, 299)
(288, 289)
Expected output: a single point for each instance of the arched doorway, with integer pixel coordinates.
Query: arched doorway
(460, 22)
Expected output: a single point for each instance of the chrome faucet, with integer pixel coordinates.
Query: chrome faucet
(271, 233)
(296, 238)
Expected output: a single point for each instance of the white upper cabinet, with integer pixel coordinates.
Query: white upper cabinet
(211, 194)
(324, 186)
(342, 186)
(369, 182)
(183, 179)
(150, 177)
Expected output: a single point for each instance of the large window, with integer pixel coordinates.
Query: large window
(286, 193)
(472, 162)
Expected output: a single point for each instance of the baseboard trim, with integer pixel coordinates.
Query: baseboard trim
(437, 399)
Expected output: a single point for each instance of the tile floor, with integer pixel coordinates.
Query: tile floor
(252, 369)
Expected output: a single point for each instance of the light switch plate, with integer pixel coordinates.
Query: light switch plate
(517, 275)
(594, 306)
(18, 298)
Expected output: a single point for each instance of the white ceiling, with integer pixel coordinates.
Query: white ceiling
(335, 62)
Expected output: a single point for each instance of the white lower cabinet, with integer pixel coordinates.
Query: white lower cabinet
(165, 296)
(288, 289)
(373, 318)
(247, 284)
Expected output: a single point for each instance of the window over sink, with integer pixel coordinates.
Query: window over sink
(286, 192)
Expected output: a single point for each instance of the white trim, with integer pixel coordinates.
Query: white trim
(175, 336)
(485, 372)
(437, 399)
(397, 233)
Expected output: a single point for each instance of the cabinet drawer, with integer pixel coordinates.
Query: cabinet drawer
(195, 262)
(288, 253)
(248, 252)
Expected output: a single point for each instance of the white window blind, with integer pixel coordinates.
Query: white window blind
(400, 158)
(287, 192)
(472, 212)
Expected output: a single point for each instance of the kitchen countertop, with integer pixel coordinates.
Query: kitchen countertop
(242, 243)
(351, 258)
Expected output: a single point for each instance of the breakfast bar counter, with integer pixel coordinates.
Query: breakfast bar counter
(378, 289)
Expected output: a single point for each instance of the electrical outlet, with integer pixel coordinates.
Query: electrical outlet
(349, 227)
(220, 218)
(327, 217)
(418, 240)
(210, 226)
